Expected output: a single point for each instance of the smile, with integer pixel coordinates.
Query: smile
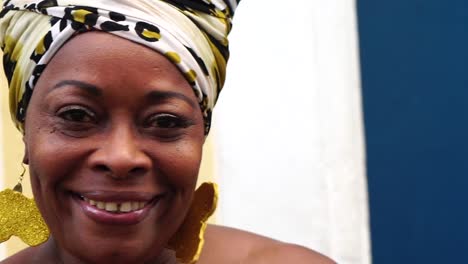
(114, 207)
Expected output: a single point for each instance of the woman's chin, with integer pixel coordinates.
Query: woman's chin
(111, 250)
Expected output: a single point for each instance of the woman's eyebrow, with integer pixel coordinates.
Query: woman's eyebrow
(158, 96)
(89, 88)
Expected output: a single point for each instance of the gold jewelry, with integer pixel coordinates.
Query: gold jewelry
(189, 239)
(20, 217)
(19, 187)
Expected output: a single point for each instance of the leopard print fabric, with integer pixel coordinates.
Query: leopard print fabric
(190, 33)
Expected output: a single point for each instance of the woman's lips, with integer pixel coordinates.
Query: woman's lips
(116, 208)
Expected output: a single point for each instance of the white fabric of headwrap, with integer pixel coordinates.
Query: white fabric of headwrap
(191, 33)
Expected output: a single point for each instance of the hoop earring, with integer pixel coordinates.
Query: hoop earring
(20, 217)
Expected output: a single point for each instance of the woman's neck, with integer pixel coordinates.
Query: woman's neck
(50, 252)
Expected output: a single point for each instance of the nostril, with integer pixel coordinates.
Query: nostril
(119, 170)
(102, 168)
(137, 171)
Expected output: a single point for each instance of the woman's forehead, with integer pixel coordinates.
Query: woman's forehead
(114, 71)
(102, 58)
(99, 47)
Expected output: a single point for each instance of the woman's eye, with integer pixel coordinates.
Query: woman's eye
(76, 114)
(166, 121)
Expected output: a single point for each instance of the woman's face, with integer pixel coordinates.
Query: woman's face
(113, 139)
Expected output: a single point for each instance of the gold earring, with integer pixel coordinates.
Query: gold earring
(19, 186)
(188, 241)
(20, 217)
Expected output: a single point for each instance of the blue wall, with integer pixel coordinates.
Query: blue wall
(414, 56)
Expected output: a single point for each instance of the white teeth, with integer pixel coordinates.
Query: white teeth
(101, 205)
(111, 207)
(124, 207)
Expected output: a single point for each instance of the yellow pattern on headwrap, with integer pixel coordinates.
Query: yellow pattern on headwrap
(191, 76)
(151, 34)
(40, 48)
(195, 30)
(173, 56)
(80, 15)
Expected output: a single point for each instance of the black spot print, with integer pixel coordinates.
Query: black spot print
(147, 31)
(89, 19)
(6, 9)
(109, 26)
(207, 118)
(46, 4)
(47, 41)
(54, 20)
(117, 16)
(200, 62)
(30, 7)
(8, 66)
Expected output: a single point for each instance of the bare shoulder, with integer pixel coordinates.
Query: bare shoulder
(24, 256)
(286, 253)
(229, 245)
(37, 254)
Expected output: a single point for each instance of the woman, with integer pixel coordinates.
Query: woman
(114, 100)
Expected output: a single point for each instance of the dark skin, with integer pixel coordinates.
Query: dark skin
(108, 119)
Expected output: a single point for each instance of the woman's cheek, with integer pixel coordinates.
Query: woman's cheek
(183, 164)
(52, 159)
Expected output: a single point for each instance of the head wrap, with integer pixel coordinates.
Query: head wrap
(190, 33)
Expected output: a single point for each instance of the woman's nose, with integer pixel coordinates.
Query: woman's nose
(120, 155)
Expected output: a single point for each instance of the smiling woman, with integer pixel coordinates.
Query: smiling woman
(128, 144)
(113, 129)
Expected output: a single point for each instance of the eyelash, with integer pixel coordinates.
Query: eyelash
(67, 113)
(173, 120)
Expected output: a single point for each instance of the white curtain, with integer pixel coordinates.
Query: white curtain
(288, 127)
